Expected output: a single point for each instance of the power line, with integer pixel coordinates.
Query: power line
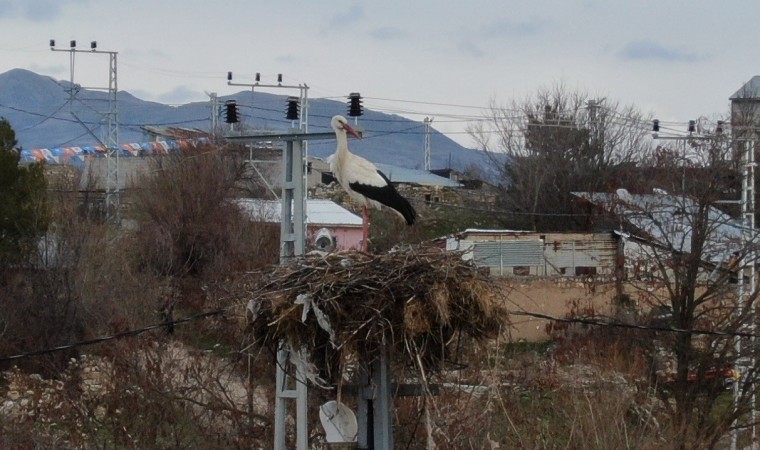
(574, 320)
(600, 323)
(111, 337)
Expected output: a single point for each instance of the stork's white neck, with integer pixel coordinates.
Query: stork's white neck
(340, 136)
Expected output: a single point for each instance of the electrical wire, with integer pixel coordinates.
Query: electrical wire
(601, 323)
(124, 334)
(216, 312)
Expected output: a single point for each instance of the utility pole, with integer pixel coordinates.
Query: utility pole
(289, 386)
(110, 134)
(747, 281)
(427, 144)
(294, 195)
(292, 243)
(214, 100)
(596, 128)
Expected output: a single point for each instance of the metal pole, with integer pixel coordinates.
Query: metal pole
(427, 143)
(110, 137)
(280, 404)
(292, 244)
(214, 100)
(746, 279)
(112, 145)
(383, 407)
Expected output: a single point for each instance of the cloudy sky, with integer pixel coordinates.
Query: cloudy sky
(677, 60)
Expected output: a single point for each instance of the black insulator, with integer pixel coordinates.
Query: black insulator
(231, 112)
(52, 42)
(355, 104)
(229, 76)
(692, 126)
(293, 109)
(655, 125)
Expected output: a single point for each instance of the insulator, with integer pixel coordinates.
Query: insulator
(719, 128)
(355, 104)
(293, 109)
(231, 112)
(655, 125)
(692, 126)
(229, 76)
(93, 45)
(73, 44)
(52, 42)
(258, 77)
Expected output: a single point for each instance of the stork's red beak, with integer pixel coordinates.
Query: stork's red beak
(351, 131)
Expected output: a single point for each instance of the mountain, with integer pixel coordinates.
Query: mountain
(40, 112)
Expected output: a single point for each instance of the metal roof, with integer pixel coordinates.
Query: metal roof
(413, 176)
(750, 90)
(318, 212)
(667, 219)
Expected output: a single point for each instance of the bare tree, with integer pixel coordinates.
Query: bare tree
(688, 266)
(554, 142)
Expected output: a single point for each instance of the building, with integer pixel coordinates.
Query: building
(527, 253)
(745, 107)
(324, 219)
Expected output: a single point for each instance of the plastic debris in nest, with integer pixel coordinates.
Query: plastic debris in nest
(343, 306)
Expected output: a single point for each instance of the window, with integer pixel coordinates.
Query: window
(521, 270)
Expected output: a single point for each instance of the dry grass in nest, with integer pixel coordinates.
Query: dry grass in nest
(413, 301)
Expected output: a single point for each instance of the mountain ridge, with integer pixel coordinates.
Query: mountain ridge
(39, 110)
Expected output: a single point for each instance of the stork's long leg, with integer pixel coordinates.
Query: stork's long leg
(365, 229)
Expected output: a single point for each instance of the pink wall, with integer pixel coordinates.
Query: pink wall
(347, 238)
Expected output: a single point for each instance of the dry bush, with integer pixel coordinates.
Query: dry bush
(527, 399)
(151, 394)
(80, 286)
(189, 225)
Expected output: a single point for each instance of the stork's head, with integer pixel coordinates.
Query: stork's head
(340, 123)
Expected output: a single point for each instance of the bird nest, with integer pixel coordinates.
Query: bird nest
(411, 302)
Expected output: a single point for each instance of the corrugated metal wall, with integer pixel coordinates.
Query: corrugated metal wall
(570, 255)
(502, 256)
(553, 254)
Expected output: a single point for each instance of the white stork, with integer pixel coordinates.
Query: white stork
(363, 182)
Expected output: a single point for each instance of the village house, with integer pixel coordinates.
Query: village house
(329, 226)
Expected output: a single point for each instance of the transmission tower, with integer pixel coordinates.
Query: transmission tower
(214, 100)
(109, 122)
(427, 122)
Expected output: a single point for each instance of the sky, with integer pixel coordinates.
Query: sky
(676, 60)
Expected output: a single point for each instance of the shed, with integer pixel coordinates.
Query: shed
(515, 252)
(343, 226)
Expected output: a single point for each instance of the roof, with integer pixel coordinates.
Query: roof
(750, 90)
(413, 176)
(175, 132)
(667, 220)
(493, 231)
(318, 212)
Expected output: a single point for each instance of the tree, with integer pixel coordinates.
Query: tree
(190, 225)
(689, 266)
(556, 142)
(24, 211)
